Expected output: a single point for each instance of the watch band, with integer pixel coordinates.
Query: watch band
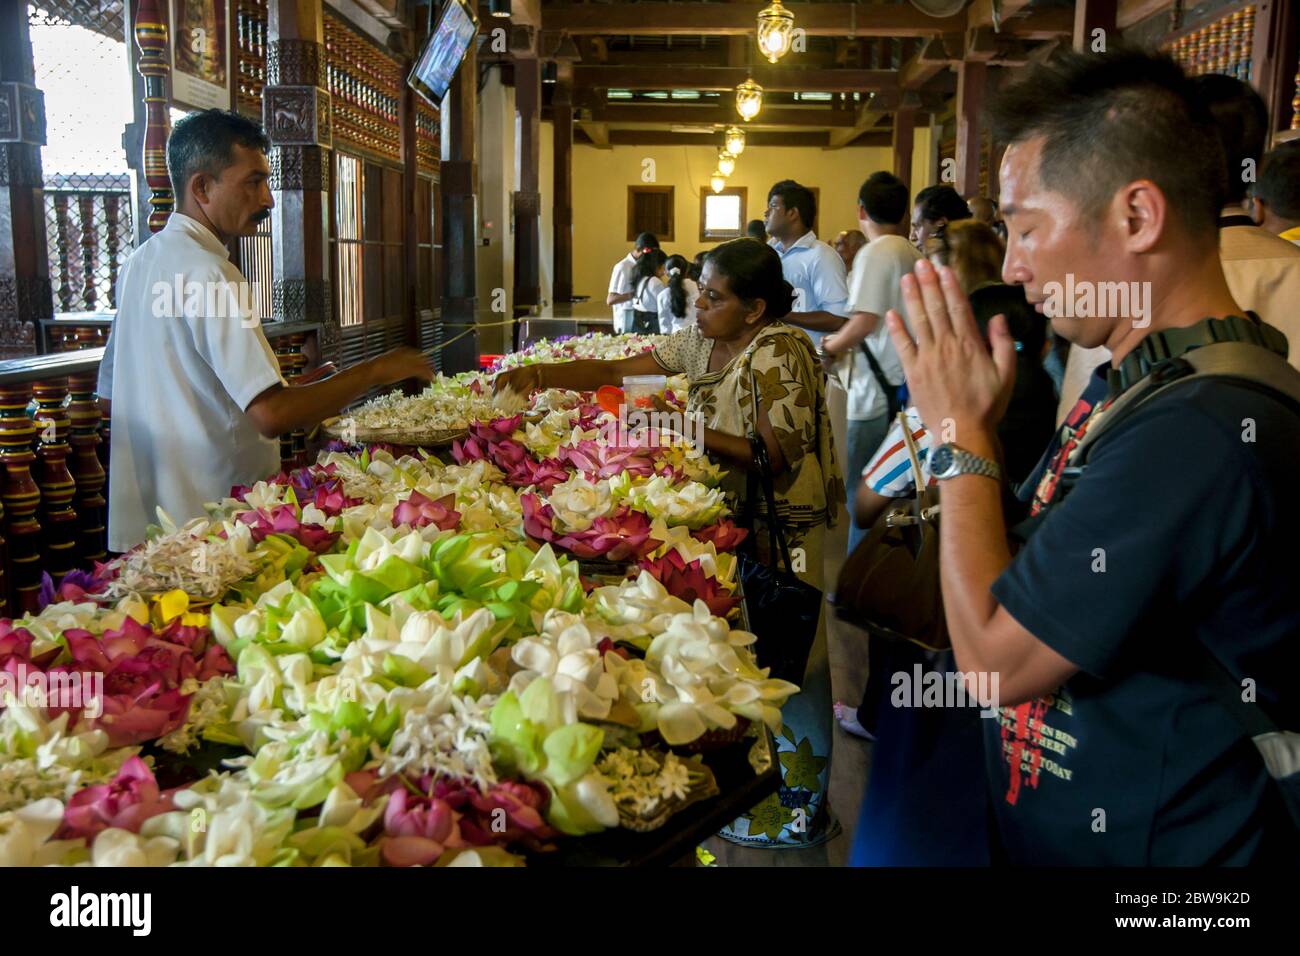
(968, 463)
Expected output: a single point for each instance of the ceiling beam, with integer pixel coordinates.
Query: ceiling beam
(658, 18)
(728, 78)
(865, 121)
(1135, 11)
(658, 137)
(597, 133)
(684, 113)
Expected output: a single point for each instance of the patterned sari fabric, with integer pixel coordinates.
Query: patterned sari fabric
(808, 494)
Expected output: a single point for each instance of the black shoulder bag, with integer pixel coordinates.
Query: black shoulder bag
(891, 391)
(783, 609)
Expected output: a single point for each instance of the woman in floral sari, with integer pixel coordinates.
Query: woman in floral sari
(736, 344)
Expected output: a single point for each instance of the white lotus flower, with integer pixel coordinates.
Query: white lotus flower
(577, 503)
(122, 848)
(25, 834)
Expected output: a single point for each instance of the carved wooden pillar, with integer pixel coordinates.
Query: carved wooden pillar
(151, 37)
(61, 248)
(21, 497)
(528, 198)
(87, 472)
(58, 520)
(296, 114)
(89, 244)
(25, 295)
(904, 138)
(460, 281)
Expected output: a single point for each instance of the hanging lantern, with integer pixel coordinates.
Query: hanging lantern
(775, 31)
(749, 100)
(735, 140)
(717, 182)
(726, 163)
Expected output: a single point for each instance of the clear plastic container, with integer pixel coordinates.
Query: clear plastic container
(639, 391)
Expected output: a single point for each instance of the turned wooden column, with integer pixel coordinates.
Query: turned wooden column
(58, 520)
(297, 118)
(25, 294)
(904, 138)
(87, 471)
(288, 352)
(153, 64)
(21, 498)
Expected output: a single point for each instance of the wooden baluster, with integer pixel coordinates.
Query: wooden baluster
(61, 246)
(83, 414)
(21, 498)
(89, 246)
(151, 38)
(111, 245)
(58, 520)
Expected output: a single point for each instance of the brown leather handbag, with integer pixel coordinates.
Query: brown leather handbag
(889, 585)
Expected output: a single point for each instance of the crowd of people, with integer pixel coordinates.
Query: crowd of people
(940, 324)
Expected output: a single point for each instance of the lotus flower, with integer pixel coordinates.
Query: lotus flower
(618, 537)
(74, 586)
(725, 535)
(417, 829)
(605, 461)
(419, 511)
(125, 803)
(690, 583)
(282, 519)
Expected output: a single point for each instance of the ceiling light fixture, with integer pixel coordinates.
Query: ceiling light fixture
(717, 182)
(499, 8)
(726, 163)
(735, 140)
(749, 100)
(775, 31)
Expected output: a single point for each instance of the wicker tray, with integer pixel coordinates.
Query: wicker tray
(334, 428)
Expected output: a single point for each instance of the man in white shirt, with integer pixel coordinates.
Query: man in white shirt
(620, 282)
(873, 291)
(810, 265)
(188, 378)
(1263, 270)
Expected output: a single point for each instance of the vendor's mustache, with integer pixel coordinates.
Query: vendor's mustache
(262, 216)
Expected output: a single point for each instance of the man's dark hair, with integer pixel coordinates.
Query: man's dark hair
(1279, 181)
(1241, 119)
(942, 202)
(647, 240)
(204, 142)
(794, 196)
(884, 197)
(1109, 119)
(756, 230)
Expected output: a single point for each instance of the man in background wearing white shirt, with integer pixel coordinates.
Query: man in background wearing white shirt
(188, 378)
(620, 282)
(810, 265)
(873, 291)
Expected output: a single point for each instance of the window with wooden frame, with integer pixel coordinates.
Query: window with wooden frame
(650, 209)
(348, 192)
(722, 215)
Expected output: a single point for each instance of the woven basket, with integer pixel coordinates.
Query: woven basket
(427, 438)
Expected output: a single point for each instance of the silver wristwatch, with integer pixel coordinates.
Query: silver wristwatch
(949, 461)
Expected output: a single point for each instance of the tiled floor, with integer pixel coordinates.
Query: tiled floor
(850, 757)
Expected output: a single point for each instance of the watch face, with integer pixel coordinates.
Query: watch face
(941, 460)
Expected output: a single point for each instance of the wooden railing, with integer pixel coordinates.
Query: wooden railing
(54, 461)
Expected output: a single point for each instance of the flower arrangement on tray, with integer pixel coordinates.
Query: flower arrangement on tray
(389, 660)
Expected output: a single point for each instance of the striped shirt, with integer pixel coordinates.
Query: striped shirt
(889, 472)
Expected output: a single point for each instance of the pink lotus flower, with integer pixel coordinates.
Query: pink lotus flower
(689, 582)
(15, 642)
(127, 802)
(606, 461)
(621, 536)
(283, 519)
(522, 802)
(417, 829)
(419, 511)
(330, 498)
(725, 535)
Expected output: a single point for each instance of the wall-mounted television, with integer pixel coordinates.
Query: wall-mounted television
(442, 53)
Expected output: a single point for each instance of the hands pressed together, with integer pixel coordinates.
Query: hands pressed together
(952, 377)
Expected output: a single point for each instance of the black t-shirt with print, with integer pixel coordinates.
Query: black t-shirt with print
(1182, 529)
